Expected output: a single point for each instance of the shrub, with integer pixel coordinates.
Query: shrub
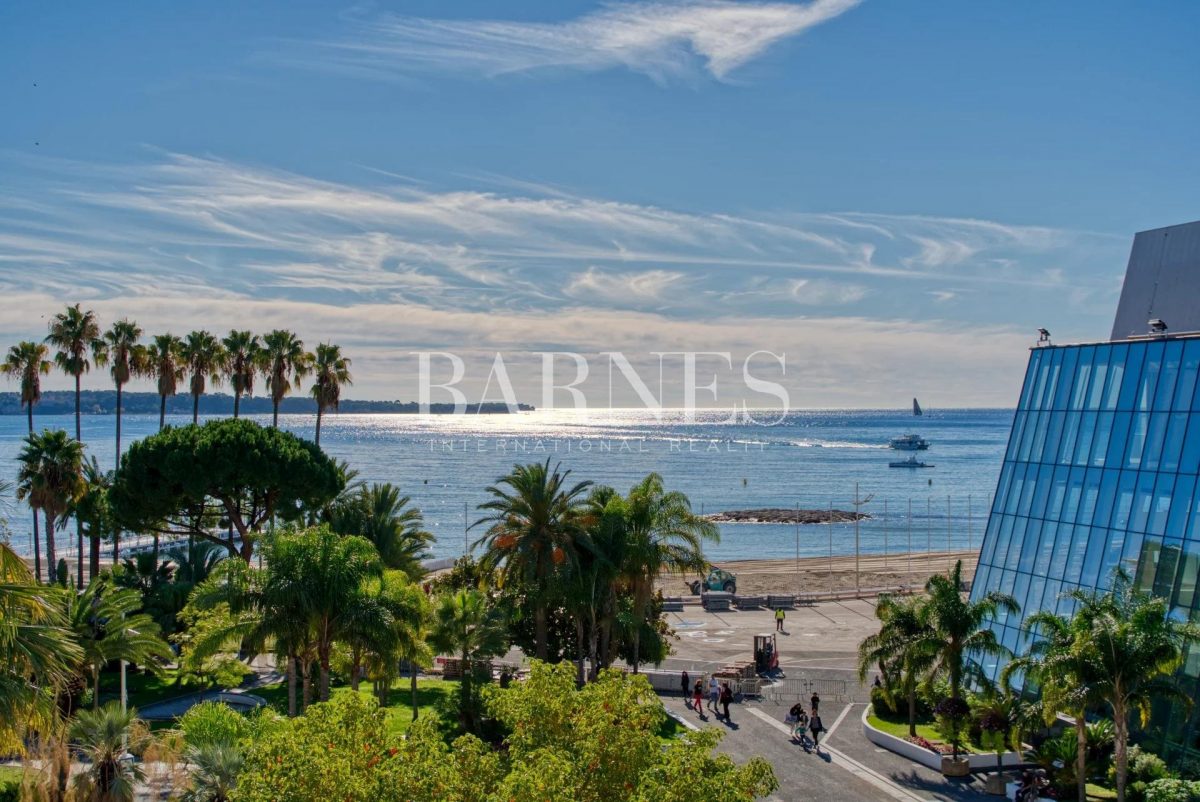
(1172, 790)
(212, 722)
(1144, 769)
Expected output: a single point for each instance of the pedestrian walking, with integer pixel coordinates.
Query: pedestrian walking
(816, 727)
(714, 693)
(798, 719)
(779, 615)
(686, 684)
(698, 697)
(816, 702)
(726, 698)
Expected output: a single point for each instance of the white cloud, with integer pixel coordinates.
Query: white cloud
(660, 39)
(826, 293)
(622, 289)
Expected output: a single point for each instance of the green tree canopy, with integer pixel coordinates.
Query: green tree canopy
(186, 480)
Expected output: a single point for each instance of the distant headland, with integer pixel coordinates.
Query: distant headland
(104, 402)
(784, 515)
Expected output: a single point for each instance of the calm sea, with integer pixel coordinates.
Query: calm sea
(812, 458)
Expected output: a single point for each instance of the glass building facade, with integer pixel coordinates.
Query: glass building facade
(1101, 471)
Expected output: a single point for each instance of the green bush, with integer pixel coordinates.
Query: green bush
(1145, 768)
(1172, 790)
(212, 722)
(10, 791)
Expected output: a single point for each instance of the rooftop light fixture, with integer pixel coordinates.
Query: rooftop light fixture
(1043, 337)
(1157, 326)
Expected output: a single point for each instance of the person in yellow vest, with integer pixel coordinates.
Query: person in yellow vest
(779, 620)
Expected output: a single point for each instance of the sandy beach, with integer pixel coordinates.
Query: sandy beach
(820, 574)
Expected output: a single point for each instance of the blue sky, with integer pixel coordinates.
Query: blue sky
(893, 194)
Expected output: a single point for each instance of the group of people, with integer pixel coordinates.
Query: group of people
(803, 721)
(718, 694)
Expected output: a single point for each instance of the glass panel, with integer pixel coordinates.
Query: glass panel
(1058, 494)
(1123, 506)
(1070, 437)
(1043, 373)
(1173, 442)
(1189, 461)
(1041, 492)
(1027, 436)
(1147, 565)
(1039, 436)
(1061, 550)
(1187, 376)
(1047, 399)
(1192, 530)
(1131, 381)
(1168, 563)
(1165, 392)
(1150, 370)
(1143, 500)
(1083, 375)
(1181, 505)
(1161, 506)
(1185, 581)
(1035, 358)
(1137, 440)
(1074, 494)
(1129, 555)
(1154, 441)
(1053, 432)
(1116, 442)
(1014, 438)
(1103, 426)
(1066, 378)
(1045, 548)
(1108, 494)
(1116, 374)
(1003, 485)
(1029, 549)
(1016, 541)
(1100, 374)
(990, 538)
(1037, 586)
(1083, 558)
(1032, 475)
(1091, 490)
(1018, 487)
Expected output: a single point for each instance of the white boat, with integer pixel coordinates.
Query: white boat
(909, 442)
(911, 462)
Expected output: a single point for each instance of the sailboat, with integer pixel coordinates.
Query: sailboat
(917, 409)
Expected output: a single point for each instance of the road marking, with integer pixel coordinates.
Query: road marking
(681, 719)
(837, 721)
(876, 779)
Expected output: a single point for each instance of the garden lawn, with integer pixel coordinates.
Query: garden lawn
(927, 730)
(143, 688)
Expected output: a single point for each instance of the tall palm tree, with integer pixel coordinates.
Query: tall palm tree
(76, 335)
(957, 630)
(331, 371)
(27, 362)
(664, 533)
(165, 363)
(243, 361)
(50, 479)
(203, 357)
(126, 359)
(92, 510)
(1132, 645)
(285, 361)
(381, 515)
(1065, 679)
(105, 736)
(465, 623)
(535, 526)
(37, 651)
(902, 649)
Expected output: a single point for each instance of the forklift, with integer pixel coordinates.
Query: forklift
(766, 655)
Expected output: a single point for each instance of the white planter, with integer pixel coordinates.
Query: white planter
(917, 754)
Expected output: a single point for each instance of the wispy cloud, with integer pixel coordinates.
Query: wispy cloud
(385, 265)
(661, 39)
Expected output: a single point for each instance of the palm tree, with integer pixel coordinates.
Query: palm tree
(466, 624)
(534, 529)
(215, 767)
(165, 363)
(104, 736)
(243, 361)
(93, 512)
(381, 515)
(203, 356)
(331, 370)
(1133, 645)
(127, 359)
(284, 361)
(902, 649)
(27, 362)
(958, 628)
(37, 652)
(664, 533)
(108, 625)
(50, 478)
(1064, 680)
(75, 334)
(324, 572)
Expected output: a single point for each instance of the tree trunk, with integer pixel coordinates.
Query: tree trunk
(117, 546)
(237, 403)
(78, 425)
(414, 690)
(580, 656)
(306, 682)
(51, 562)
(1081, 755)
(464, 699)
(318, 437)
(1120, 743)
(594, 648)
(162, 412)
(541, 635)
(291, 682)
(274, 413)
(195, 408)
(117, 459)
(37, 535)
(355, 668)
(912, 708)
